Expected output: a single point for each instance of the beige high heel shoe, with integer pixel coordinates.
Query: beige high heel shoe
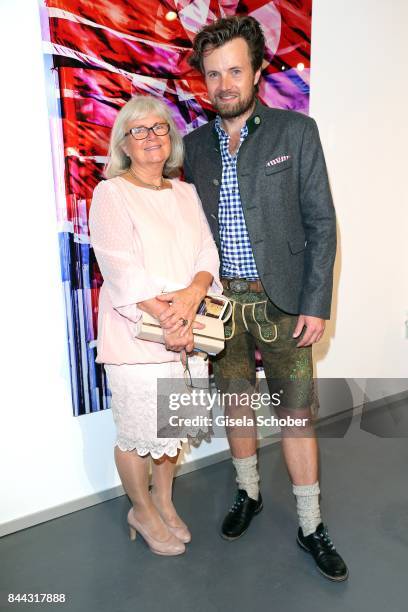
(170, 547)
(181, 532)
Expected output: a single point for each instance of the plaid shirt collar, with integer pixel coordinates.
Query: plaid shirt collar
(224, 137)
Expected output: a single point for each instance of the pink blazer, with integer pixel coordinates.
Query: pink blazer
(145, 242)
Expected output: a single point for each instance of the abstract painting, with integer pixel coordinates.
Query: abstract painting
(97, 55)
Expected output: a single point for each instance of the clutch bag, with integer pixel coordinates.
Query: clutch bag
(210, 340)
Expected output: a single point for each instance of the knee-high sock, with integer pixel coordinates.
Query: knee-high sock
(308, 508)
(247, 475)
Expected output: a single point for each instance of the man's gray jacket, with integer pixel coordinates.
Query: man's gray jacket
(286, 201)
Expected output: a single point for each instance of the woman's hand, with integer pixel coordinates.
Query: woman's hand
(183, 306)
(174, 341)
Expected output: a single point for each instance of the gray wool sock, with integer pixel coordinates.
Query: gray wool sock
(247, 475)
(308, 508)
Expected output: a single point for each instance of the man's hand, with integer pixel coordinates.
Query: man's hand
(314, 330)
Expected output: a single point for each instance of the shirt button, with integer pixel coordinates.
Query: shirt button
(257, 120)
(216, 182)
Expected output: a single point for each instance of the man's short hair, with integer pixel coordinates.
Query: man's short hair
(224, 30)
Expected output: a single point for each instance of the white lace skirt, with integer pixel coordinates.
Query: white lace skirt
(134, 404)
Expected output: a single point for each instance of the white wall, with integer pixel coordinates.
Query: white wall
(358, 97)
(47, 457)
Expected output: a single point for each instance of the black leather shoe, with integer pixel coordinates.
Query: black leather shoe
(240, 515)
(322, 549)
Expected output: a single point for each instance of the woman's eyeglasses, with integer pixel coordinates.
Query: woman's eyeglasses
(141, 132)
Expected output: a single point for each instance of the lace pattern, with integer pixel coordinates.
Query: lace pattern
(134, 406)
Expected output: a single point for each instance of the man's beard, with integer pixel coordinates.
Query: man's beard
(236, 110)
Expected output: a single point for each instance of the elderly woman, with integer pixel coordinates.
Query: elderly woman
(149, 235)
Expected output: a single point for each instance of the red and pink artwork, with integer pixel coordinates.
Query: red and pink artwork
(98, 54)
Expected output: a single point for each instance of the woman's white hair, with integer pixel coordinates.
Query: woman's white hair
(139, 107)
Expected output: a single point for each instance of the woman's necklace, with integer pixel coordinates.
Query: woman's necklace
(156, 187)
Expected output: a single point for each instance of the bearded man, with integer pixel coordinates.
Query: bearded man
(262, 179)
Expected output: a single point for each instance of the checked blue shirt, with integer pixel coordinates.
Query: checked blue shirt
(237, 259)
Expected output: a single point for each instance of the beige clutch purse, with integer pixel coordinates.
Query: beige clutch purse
(210, 339)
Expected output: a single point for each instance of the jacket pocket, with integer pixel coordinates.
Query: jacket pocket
(297, 245)
(278, 167)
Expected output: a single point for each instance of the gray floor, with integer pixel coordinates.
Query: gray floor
(88, 555)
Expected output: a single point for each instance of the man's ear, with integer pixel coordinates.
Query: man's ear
(257, 76)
